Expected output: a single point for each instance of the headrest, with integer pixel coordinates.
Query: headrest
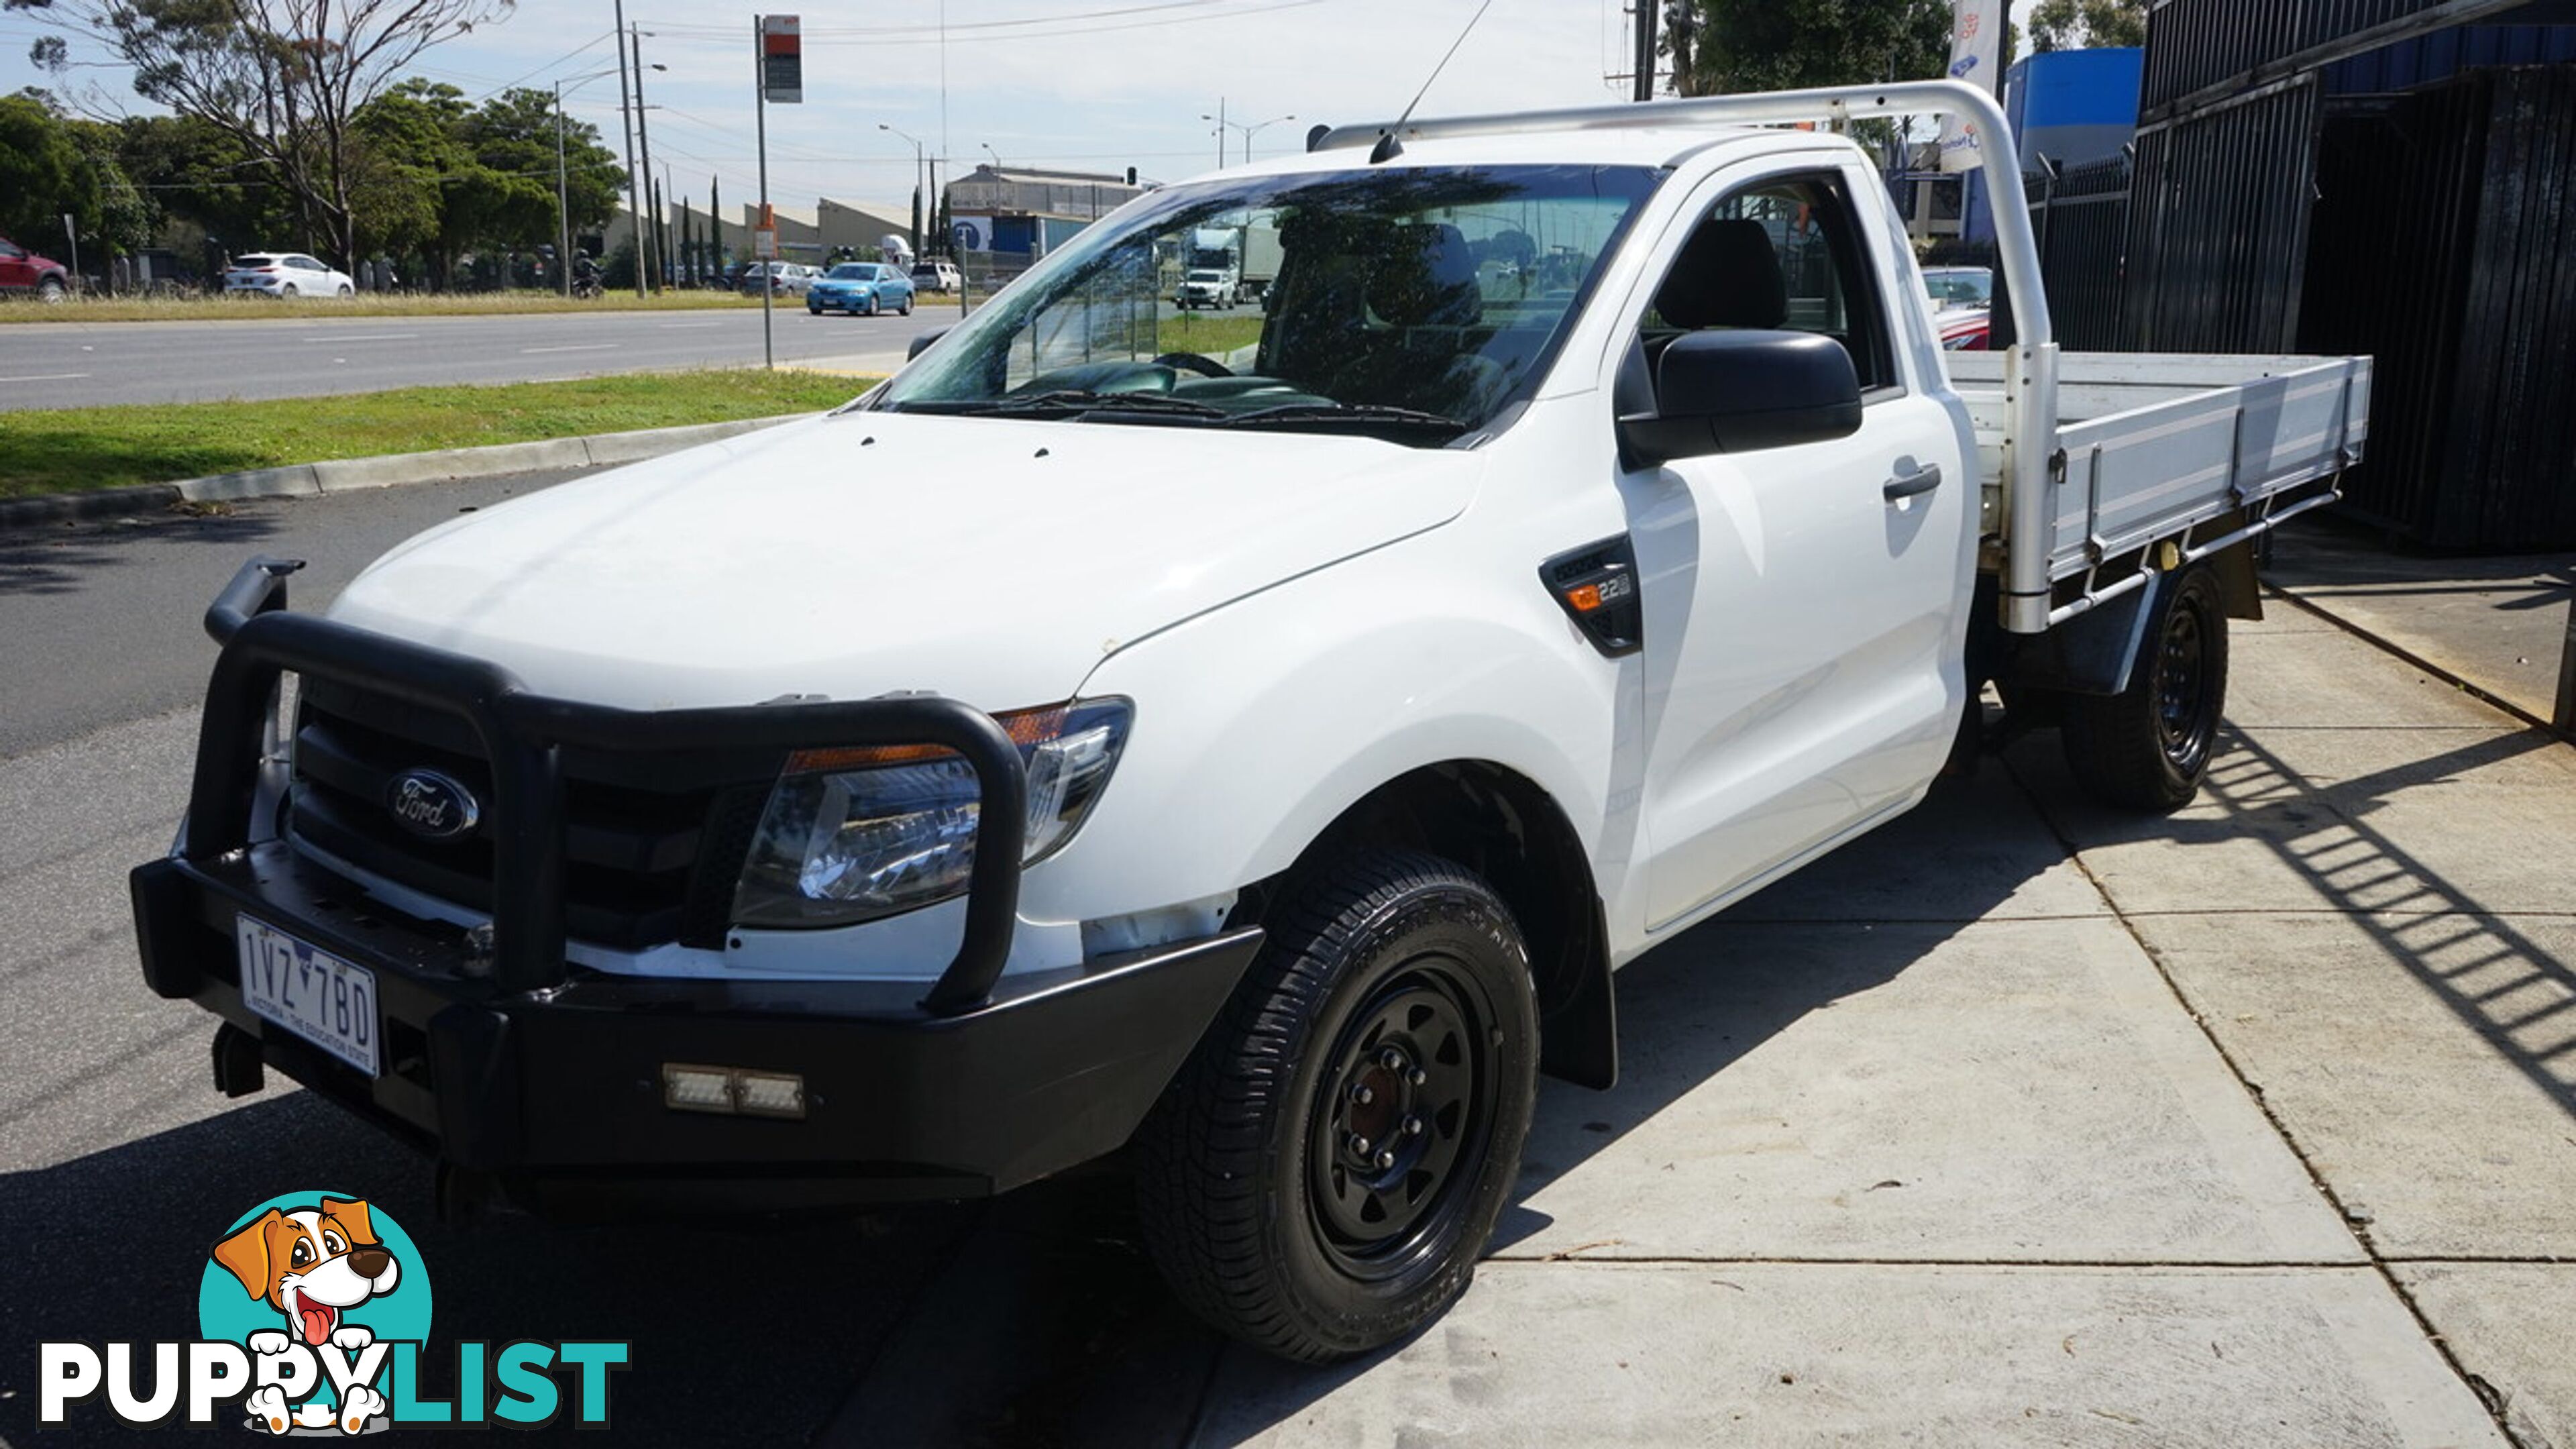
(1428, 276)
(1728, 275)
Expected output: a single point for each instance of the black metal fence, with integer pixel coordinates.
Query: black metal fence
(2218, 227)
(2441, 248)
(2194, 46)
(2082, 218)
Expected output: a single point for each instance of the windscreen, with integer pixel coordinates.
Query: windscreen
(1413, 303)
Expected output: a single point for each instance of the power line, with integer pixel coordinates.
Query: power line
(868, 31)
(549, 65)
(708, 34)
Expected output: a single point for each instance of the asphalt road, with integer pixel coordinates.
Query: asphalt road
(76, 364)
(120, 1163)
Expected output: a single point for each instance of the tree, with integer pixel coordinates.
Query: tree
(1722, 46)
(2081, 24)
(52, 165)
(415, 184)
(284, 78)
(40, 171)
(199, 175)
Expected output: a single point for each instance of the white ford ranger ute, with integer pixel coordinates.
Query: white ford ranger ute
(1256, 756)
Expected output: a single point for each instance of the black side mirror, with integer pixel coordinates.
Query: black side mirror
(924, 340)
(1741, 392)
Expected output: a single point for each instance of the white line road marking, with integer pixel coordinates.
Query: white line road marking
(47, 377)
(369, 337)
(668, 326)
(583, 347)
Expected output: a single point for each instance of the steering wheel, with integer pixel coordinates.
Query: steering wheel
(1193, 362)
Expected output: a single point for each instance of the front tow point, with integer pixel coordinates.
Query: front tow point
(238, 1071)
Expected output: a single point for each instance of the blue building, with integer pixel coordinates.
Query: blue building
(2069, 107)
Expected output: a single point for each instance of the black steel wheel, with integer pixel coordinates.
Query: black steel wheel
(1322, 1176)
(2148, 747)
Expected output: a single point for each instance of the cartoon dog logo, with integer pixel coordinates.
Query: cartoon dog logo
(312, 1266)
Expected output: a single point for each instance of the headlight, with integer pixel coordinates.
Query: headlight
(851, 835)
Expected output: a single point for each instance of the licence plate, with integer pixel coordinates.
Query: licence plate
(312, 993)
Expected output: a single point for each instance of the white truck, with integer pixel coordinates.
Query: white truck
(1259, 763)
(1211, 268)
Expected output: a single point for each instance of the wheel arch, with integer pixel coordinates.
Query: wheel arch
(1510, 831)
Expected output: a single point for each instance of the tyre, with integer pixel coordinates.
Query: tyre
(2148, 747)
(346, 290)
(872, 308)
(287, 290)
(51, 290)
(1321, 1177)
(906, 309)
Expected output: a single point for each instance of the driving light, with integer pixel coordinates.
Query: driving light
(732, 1091)
(851, 835)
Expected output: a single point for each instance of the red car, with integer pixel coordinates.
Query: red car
(22, 271)
(1965, 329)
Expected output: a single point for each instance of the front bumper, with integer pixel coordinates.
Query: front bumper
(556, 1096)
(545, 1081)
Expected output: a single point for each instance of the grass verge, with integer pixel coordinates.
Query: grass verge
(75, 449)
(457, 304)
(1203, 333)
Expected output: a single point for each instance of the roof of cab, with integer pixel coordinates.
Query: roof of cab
(1645, 145)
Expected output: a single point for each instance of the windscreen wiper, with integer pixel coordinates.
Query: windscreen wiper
(1071, 402)
(1336, 414)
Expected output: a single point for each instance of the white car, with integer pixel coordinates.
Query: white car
(941, 277)
(1080, 742)
(1205, 288)
(287, 274)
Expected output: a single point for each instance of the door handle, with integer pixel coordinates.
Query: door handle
(1915, 484)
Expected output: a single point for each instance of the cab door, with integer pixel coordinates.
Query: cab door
(1805, 604)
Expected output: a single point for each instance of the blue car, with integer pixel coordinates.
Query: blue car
(862, 289)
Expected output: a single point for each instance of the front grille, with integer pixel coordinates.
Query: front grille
(652, 842)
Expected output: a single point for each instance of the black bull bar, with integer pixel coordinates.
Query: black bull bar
(521, 734)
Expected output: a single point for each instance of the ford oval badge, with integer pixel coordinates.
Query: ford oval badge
(431, 805)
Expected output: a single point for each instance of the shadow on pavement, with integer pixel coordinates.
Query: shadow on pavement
(2323, 557)
(1063, 1334)
(63, 560)
(2470, 958)
(740, 1335)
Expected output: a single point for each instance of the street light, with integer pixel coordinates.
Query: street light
(1247, 132)
(563, 192)
(989, 151)
(917, 164)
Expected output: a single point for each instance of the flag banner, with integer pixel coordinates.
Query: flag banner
(1976, 56)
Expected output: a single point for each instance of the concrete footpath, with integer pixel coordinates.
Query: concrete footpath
(2501, 625)
(2021, 1122)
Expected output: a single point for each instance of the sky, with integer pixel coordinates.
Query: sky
(1088, 85)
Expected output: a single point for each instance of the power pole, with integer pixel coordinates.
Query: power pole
(644, 144)
(626, 123)
(1646, 12)
(563, 208)
(760, 123)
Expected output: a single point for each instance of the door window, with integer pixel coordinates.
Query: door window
(1780, 255)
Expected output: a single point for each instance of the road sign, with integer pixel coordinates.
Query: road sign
(764, 243)
(782, 59)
